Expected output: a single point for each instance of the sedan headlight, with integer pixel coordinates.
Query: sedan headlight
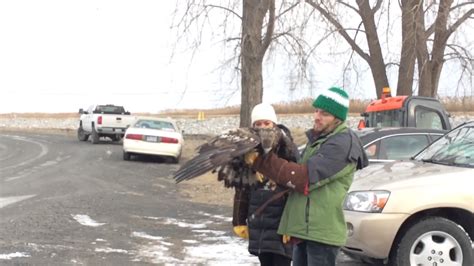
(366, 201)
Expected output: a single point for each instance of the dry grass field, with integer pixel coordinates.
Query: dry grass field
(453, 105)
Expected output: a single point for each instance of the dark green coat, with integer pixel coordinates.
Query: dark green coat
(331, 161)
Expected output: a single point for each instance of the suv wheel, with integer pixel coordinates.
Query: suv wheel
(434, 241)
(126, 156)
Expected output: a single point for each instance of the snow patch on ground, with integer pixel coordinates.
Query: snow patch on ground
(179, 222)
(111, 250)
(86, 220)
(201, 247)
(14, 255)
(219, 217)
(10, 200)
(222, 254)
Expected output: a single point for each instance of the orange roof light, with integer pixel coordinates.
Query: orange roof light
(386, 93)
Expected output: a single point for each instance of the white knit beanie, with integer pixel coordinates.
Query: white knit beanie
(264, 111)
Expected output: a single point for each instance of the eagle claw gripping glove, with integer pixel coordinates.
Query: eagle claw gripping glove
(250, 157)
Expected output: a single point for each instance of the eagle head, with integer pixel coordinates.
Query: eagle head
(269, 138)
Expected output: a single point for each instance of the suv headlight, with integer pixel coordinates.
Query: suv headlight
(366, 201)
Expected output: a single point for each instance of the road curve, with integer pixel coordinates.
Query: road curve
(66, 202)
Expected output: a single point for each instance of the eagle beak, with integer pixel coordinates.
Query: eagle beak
(267, 150)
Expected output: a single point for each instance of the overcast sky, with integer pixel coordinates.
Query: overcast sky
(62, 55)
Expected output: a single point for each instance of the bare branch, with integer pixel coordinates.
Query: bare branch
(225, 8)
(270, 26)
(456, 24)
(460, 5)
(348, 6)
(377, 6)
(340, 29)
(392, 64)
(287, 10)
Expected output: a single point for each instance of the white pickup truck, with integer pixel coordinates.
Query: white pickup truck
(103, 121)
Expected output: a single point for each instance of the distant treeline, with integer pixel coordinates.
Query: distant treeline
(452, 104)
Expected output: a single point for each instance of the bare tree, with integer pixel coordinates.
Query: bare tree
(253, 50)
(431, 64)
(416, 39)
(257, 34)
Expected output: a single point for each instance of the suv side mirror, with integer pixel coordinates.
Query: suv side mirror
(81, 111)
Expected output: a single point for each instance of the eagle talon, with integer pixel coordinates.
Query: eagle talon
(260, 177)
(250, 157)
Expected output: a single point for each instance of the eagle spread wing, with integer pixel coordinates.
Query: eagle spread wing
(225, 154)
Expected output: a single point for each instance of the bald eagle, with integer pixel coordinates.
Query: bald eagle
(224, 154)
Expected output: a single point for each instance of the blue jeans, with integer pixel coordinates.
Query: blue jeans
(310, 253)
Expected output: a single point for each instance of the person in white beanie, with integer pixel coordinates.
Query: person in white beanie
(261, 229)
(313, 215)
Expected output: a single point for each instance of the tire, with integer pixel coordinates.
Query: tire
(94, 136)
(175, 160)
(126, 156)
(81, 134)
(431, 240)
(115, 138)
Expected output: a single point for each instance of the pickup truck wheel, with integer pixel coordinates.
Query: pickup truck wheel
(94, 136)
(81, 134)
(126, 156)
(434, 241)
(115, 138)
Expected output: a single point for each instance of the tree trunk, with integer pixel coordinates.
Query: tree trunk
(439, 44)
(252, 53)
(422, 54)
(407, 54)
(376, 61)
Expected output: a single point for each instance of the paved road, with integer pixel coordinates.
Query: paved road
(65, 202)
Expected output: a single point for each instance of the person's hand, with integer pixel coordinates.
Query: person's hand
(250, 157)
(242, 231)
(285, 239)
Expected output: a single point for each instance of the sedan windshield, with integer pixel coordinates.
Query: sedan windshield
(454, 148)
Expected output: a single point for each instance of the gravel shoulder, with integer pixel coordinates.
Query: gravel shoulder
(203, 189)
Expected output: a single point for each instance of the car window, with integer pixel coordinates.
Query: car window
(154, 124)
(402, 147)
(109, 109)
(456, 147)
(371, 150)
(389, 118)
(426, 118)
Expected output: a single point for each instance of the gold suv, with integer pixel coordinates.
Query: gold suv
(416, 212)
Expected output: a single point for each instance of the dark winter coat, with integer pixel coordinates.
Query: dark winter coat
(263, 236)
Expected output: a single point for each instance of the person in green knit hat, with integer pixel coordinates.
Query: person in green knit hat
(313, 217)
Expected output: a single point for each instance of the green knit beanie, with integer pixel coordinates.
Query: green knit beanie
(334, 101)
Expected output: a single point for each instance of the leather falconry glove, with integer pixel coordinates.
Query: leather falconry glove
(241, 231)
(281, 171)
